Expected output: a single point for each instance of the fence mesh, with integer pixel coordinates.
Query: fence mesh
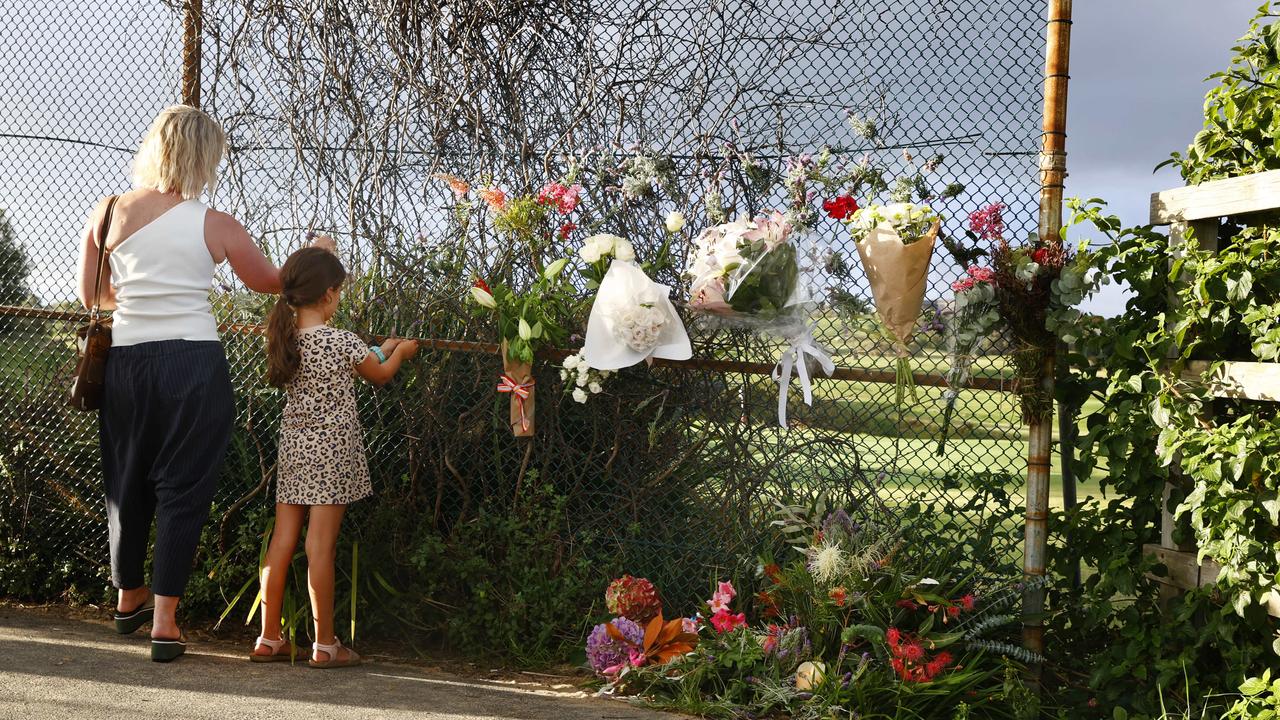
(339, 117)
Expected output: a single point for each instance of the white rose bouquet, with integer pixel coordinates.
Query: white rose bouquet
(632, 318)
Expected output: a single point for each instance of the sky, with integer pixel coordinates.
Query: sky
(1137, 94)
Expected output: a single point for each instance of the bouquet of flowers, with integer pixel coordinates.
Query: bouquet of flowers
(632, 318)
(973, 317)
(533, 317)
(896, 243)
(745, 273)
(1026, 279)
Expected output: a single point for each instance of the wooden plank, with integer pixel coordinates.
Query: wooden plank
(1185, 574)
(1184, 571)
(1217, 198)
(1239, 380)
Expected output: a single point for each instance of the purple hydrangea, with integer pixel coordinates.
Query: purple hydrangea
(605, 652)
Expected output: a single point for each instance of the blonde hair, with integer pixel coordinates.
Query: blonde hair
(180, 152)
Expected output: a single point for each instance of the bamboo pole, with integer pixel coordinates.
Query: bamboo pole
(1053, 170)
(192, 37)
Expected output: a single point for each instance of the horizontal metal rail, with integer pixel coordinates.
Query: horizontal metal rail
(468, 346)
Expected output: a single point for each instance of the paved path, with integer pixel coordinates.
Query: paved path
(52, 666)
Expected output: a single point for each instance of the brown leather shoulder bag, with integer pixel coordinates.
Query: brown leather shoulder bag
(93, 339)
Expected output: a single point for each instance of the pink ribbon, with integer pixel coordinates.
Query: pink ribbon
(508, 384)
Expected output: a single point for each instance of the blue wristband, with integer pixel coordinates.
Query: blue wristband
(382, 357)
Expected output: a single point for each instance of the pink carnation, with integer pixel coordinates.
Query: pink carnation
(988, 223)
(963, 285)
(981, 274)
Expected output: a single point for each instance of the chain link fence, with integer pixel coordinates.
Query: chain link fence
(339, 117)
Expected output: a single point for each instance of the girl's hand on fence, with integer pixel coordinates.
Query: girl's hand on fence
(407, 349)
(389, 345)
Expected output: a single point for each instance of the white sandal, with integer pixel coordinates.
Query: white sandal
(275, 656)
(332, 651)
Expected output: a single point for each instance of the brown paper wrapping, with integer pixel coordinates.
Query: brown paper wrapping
(898, 274)
(522, 373)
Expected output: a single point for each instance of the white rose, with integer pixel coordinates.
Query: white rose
(590, 252)
(579, 395)
(571, 362)
(675, 221)
(581, 381)
(595, 388)
(623, 251)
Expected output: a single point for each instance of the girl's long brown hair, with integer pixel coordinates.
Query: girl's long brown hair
(306, 276)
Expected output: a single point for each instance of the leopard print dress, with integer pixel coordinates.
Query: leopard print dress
(321, 459)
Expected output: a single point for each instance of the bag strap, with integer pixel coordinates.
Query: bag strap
(103, 229)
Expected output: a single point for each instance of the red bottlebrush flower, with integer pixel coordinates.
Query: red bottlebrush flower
(953, 611)
(773, 572)
(907, 604)
(912, 651)
(839, 595)
(565, 229)
(898, 667)
(841, 207)
(967, 601)
(482, 285)
(891, 636)
(1040, 256)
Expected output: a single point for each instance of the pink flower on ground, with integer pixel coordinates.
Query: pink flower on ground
(723, 621)
(689, 625)
(636, 657)
(721, 598)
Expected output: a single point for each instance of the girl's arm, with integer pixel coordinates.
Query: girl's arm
(89, 265)
(379, 373)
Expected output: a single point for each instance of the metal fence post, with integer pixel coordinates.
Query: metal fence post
(192, 36)
(1053, 166)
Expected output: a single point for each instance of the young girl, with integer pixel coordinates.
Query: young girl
(321, 465)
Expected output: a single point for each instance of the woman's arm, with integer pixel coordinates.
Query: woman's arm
(227, 238)
(89, 265)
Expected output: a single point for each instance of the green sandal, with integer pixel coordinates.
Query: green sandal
(168, 650)
(128, 623)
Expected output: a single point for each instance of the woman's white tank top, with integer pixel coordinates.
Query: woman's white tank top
(163, 274)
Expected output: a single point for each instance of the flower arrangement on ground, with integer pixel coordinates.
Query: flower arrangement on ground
(896, 243)
(849, 625)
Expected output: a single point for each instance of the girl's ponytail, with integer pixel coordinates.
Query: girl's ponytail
(282, 344)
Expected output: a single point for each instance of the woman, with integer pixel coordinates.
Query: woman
(167, 405)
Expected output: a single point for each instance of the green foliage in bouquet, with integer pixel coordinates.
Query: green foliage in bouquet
(766, 289)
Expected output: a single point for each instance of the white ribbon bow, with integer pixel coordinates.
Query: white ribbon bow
(793, 358)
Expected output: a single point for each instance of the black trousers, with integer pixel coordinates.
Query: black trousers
(165, 422)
